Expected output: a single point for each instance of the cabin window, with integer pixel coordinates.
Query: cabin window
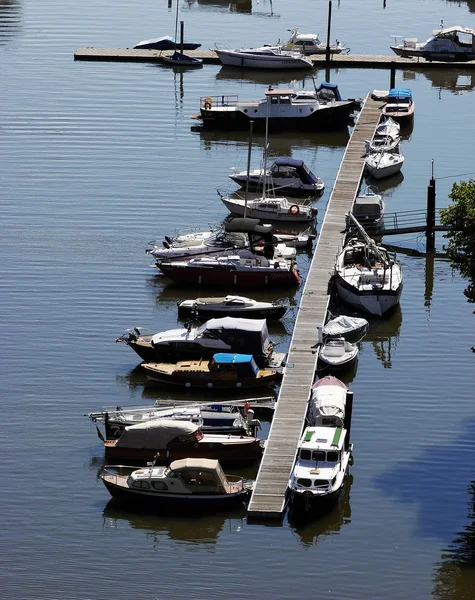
(304, 482)
(143, 485)
(320, 483)
(332, 456)
(159, 486)
(305, 454)
(334, 480)
(329, 421)
(318, 455)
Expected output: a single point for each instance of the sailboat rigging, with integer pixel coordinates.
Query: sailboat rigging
(179, 58)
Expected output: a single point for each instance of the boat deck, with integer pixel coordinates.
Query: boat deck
(269, 496)
(210, 57)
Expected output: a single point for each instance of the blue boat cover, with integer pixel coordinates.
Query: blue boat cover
(228, 357)
(330, 86)
(306, 176)
(399, 93)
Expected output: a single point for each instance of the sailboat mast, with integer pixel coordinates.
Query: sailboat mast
(251, 124)
(369, 241)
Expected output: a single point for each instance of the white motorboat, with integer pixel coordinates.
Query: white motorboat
(319, 110)
(386, 137)
(367, 276)
(265, 57)
(287, 175)
(336, 353)
(368, 208)
(351, 328)
(383, 164)
(187, 484)
(324, 455)
(399, 105)
(310, 43)
(271, 209)
(230, 305)
(327, 404)
(446, 44)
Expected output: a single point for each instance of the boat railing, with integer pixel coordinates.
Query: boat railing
(223, 100)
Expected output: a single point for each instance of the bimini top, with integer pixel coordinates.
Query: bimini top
(229, 358)
(305, 175)
(399, 94)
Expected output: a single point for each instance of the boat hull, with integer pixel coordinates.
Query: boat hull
(256, 185)
(230, 279)
(298, 216)
(247, 451)
(274, 313)
(169, 501)
(262, 61)
(372, 302)
(326, 118)
(441, 56)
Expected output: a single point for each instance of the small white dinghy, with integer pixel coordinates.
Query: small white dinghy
(383, 164)
(336, 353)
(350, 328)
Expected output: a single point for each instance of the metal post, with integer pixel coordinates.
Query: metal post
(392, 78)
(182, 31)
(327, 58)
(348, 415)
(251, 124)
(430, 234)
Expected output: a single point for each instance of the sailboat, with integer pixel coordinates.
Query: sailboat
(269, 208)
(179, 58)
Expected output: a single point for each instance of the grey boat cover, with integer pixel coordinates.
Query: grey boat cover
(155, 434)
(328, 400)
(343, 325)
(303, 172)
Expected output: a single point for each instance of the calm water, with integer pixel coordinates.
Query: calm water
(97, 160)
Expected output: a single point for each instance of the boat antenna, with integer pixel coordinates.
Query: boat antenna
(251, 125)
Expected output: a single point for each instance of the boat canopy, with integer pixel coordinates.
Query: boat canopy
(399, 94)
(305, 175)
(208, 471)
(243, 365)
(332, 87)
(229, 358)
(327, 402)
(155, 434)
(251, 335)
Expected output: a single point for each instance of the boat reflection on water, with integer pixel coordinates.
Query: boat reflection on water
(309, 526)
(456, 81)
(196, 529)
(387, 184)
(235, 6)
(283, 143)
(264, 77)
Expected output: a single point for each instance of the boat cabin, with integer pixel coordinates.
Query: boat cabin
(399, 101)
(185, 476)
(291, 168)
(327, 403)
(241, 365)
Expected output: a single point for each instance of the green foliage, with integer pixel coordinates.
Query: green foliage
(460, 217)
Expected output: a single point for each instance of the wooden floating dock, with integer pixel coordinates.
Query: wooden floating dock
(319, 60)
(270, 491)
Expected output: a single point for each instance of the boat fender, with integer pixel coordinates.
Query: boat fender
(187, 384)
(351, 461)
(208, 103)
(294, 209)
(210, 385)
(196, 445)
(238, 384)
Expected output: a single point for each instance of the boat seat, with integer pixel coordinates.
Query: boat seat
(334, 351)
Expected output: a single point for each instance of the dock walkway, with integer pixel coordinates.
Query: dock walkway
(338, 61)
(269, 496)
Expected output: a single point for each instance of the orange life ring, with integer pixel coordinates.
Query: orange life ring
(294, 209)
(208, 103)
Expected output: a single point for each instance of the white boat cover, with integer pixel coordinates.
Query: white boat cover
(328, 399)
(154, 434)
(343, 325)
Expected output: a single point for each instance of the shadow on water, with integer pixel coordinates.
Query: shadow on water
(388, 184)
(198, 529)
(454, 577)
(310, 527)
(436, 481)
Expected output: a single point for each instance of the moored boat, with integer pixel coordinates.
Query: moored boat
(270, 208)
(264, 57)
(368, 208)
(224, 371)
(336, 353)
(189, 483)
(310, 43)
(230, 305)
(367, 276)
(226, 334)
(382, 163)
(453, 43)
(350, 328)
(318, 110)
(287, 175)
(164, 43)
(399, 106)
(166, 440)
